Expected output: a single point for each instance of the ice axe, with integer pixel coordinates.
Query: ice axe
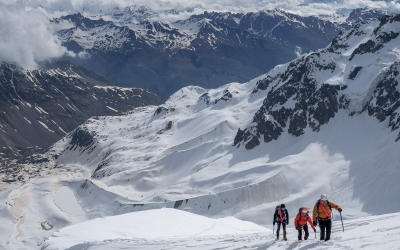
(341, 220)
(273, 230)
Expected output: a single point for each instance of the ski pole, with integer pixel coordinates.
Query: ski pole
(341, 220)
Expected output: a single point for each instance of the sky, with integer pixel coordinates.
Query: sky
(28, 35)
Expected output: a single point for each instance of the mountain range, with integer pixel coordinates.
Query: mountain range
(189, 146)
(326, 122)
(206, 50)
(330, 117)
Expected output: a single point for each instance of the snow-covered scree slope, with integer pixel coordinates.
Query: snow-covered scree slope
(174, 229)
(324, 123)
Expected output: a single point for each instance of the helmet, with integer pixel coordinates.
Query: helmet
(323, 197)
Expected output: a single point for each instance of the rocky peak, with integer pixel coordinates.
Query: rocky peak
(82, 22)
(308, 92)
(366, 14)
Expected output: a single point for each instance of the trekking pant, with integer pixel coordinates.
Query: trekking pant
(283, 228)
(305, 227)
(325, 225)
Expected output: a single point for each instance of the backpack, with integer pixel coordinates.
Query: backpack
(329, 204)
(300, 213)
(278, 217)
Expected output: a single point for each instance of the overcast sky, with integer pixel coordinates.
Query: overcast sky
(27, 36)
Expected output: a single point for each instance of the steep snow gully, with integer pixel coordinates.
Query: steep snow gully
(327, 122)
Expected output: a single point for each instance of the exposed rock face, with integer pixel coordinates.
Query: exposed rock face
(68, 69)
(206, 50)
(39, 107)
(168, 127)
(385, 101)
(226, 96)
(81, 138)
(310, 91)
(205, 98)
(298, 102)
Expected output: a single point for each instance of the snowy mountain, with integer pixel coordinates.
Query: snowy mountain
(41, 106)
(129, 15)
(206, 50)
(326, 122)
(352, 74)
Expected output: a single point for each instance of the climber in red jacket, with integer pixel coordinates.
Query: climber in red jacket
(301, 222)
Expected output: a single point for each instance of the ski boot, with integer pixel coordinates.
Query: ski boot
(284, 238)
(277, 237)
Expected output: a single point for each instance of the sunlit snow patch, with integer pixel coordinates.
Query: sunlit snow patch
(150, 225)
(66, 201)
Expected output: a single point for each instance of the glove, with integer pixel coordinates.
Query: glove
(314, 223)
(273, 223)
(315, 230)
(340, 210)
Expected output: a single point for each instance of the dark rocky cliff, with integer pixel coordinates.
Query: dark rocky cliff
(39, 107)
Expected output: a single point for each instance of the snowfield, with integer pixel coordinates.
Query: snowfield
(174, 229)
(180, 175)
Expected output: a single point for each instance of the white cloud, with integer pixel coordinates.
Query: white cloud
(303, 7)
(26, 36)
(297, 50)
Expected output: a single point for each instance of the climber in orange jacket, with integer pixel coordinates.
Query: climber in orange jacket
(323, 211)
(301, 223)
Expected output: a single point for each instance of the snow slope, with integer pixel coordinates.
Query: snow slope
(174, 229)
(149, 226)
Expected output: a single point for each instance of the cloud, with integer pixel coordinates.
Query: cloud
(27, 36)
(302, 7)
(297, 50)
